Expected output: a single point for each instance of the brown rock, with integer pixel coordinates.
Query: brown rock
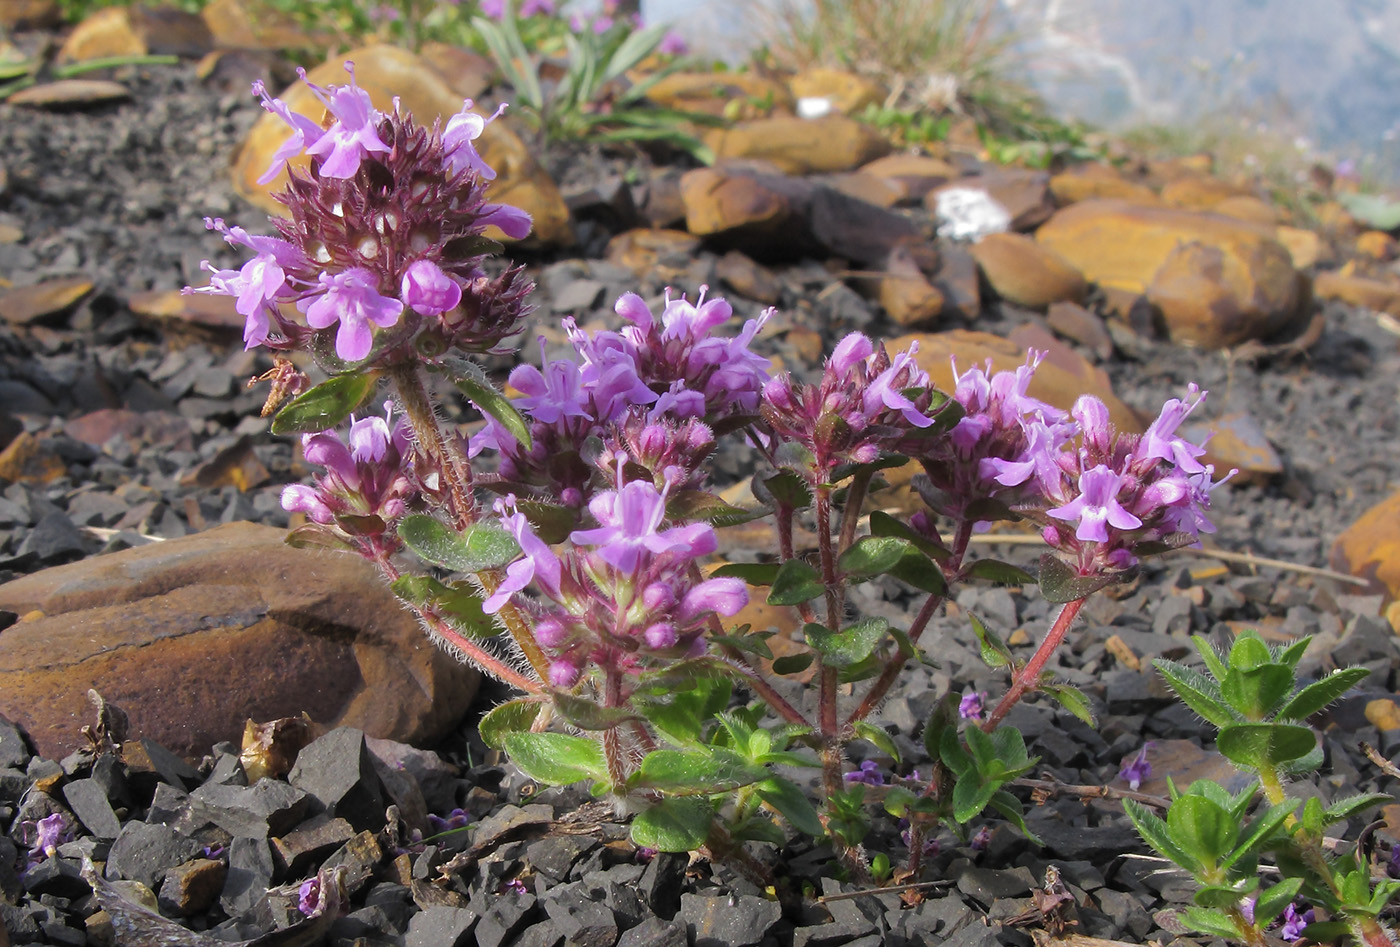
(712, 93)
(1025, 273)
(1218, 281)
(1248, 208)
(1236, 442)
(468, 72)
(212, 315)
(9, 233)
(1333, 218)
(1376, 244)
(1199, 193)
(718, 202)
(1092, 180)
(256, 24)
(138, 429)
(385, 72)
(103, 33)
(906, 295)
(192, 887)
(881, 192)
(30, 304)
(1370, 547)
(30, 14)
(1304, 246)
(194, 636)
(847, 92)
(1024, 194)
(740, 274)
(70, 94)
(1074, 322)
(916, 175)
(801, 146)
(235, 466)
(1358, 291)
(28, 459)
(956, 278)
(664, 253)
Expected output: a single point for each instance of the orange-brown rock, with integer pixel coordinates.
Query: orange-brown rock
(739, 273)
(1073, 321)
(1305, 246)
(1024, 194)
(28, 304)
(1376, 244)
(29, 14)
(1249, 208)
(257, 24)
(711, 93)
(1217, 280)
(847, 92)
(881, 192)
(1370, 547)
(801, 146)
(468, 72)
(915, 175)
(719, 202)
(1199, 193)
(906, 295)
(28, 459)
(664, 253)
(1358, 291)
(1094, 179)
(385, 72)
(65, 94)
(194, 636)
(137, 31)
(1236, 442)
(1025, 273)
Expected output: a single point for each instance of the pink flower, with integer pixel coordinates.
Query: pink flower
(631, 519)
(458, 138)
(427, 289)
(1097, 506)
(354, 134)
(352, 299)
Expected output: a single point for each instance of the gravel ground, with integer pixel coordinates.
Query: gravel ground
(116, 195)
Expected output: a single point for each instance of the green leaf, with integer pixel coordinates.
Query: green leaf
(489, 401)
(971, 794)
(918, 570)
(587, 714)
(1003, 573)
(1060, 584)
(1256, 691)
(1349, 806)
(898, 800)
(674, 824)
(1209, 655)
(1261, 832)
(1223, 897)
(754, 573)
(1319, 694)
(1256, 745)
(870, 556)
(684, 675)
(883, 524)
(1202, 829)
(849, 646)
(882, 741)
(553, 522)
(513, 716)
(1275, 900)
(1291, 655)
(1071, 699)
(995, 653)
(1249, 651)
(1210, 921)
(1010, 807)
(690, 506)
(316, 536)
(696, 772)
(784, 489)
(556, 759)
(1157, 835)
(459, 605)
(790, 802)
(795, 583)
(326, 405)
(793, 663)
(1376, 210)
(942, 719)
(752, 643)
(1196, 691)
(479, 547)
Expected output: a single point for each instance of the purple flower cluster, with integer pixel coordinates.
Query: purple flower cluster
(1294, 921)
(383, 244)
(643, 390)
(367, 483)
(868, 773)
(972, 706)
(865, 403)
(1101, 493)
(625, 591)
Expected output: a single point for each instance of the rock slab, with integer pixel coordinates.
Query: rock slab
(194, 636)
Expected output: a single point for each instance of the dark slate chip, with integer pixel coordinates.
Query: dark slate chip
(337, 772)
(88, 800)
(727, 920)
(441, 926)
(143, 852)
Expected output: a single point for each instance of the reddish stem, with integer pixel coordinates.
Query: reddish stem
(1029, 676)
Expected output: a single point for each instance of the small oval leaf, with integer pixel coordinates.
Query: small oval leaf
(326, 405)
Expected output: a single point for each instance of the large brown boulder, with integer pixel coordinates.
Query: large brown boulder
(194, 636)
(1025, 273)
(801, 146)
(1370, 547)
(385, 72)
(1217, 281)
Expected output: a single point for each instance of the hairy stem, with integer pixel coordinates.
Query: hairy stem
(613, 750)
(1029, 676)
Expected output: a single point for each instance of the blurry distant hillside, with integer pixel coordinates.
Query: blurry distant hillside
(1323, 71)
